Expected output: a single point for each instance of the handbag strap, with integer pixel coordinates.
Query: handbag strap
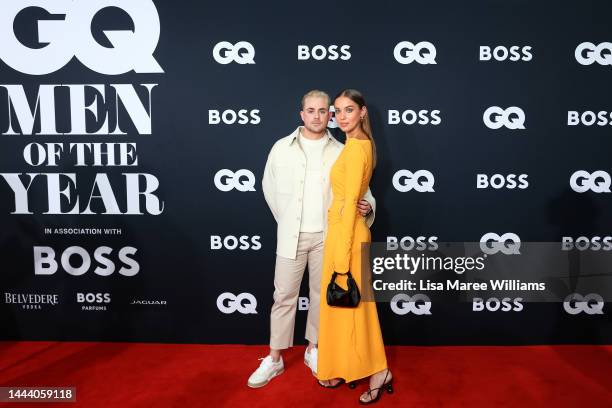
(348, 274)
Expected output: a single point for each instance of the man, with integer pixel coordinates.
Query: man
(297, 189)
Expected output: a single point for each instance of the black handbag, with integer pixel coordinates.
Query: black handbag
(339, 297)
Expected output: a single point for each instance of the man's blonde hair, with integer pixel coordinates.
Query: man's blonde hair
(317, 94)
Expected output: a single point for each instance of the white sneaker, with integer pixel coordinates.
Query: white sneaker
(310, 359)
(267, 370)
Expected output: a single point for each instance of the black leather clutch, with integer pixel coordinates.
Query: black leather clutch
(340, 297)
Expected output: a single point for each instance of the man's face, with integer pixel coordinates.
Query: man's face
(315, 114)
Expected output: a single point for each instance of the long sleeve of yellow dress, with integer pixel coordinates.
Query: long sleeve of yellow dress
(356, 162)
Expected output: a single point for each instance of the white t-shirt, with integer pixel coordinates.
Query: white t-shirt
(312, 208)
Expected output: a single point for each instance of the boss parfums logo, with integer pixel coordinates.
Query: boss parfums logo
(421, 181)
(242, 180)
(423, 53)
(231, 242)
(501, 53)
(402, 304)
(591, 304)
(498, 181)
(322, 52)
(420, 243)
(582, 181)
(511, 118)
(244, 303)
(588, 53)
(231, 117)
(412, 117)
(508, 243)
(93, 301)
(71, 36)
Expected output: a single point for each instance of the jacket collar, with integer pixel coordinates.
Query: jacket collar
(296, 133)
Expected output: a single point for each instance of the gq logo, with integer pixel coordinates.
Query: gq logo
(598, 181)
(402, 304)
(71, 37)
(404, 180)
(512, 118)
(241, 53)
(242, 180)
(587, 53)
(589, 304)
(423, 53)
(244, 303)
(508, 243)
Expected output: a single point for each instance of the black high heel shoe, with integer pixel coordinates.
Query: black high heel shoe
(388, 386)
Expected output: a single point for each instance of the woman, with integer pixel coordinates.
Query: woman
(350, 342)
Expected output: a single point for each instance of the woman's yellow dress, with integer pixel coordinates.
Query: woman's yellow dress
(350, 342)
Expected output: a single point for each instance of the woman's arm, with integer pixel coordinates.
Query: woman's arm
(355, 166)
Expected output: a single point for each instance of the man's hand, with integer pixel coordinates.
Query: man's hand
(364, 207)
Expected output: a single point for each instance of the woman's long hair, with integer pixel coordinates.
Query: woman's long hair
(356, 96)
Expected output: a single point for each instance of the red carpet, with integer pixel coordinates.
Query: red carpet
(170, 375)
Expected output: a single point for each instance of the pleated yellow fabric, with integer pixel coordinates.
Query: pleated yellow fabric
(350, 341)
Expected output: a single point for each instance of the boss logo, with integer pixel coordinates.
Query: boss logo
(230, 242)
(421, 181)
(511, 118)
(589, 118)
(508, 243)
(497, 181)
(588, 53)
(586, 243)
(494, 304)
(408, 243)
(241, 53)
(229, 117)
(590, 304)
(501, 53)
(93, 298)
(423, 52)
(320, 52)
(410, 117)
(598, 182)
(242, 180)
(71, 37)
(402, 304)
(46, 264)
(244, 303)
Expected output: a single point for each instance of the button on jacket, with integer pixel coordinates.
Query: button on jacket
(283, 188)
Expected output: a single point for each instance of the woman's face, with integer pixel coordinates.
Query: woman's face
(348, 114)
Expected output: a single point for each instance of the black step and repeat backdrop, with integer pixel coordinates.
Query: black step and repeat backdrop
(134, 133)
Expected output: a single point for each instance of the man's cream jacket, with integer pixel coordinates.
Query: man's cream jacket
(283, 188)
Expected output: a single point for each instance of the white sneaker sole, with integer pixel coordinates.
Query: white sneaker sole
(259, 385)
